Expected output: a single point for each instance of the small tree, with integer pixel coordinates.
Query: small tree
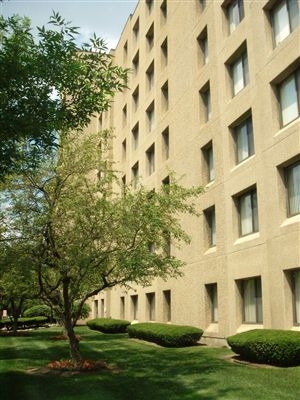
(89, 237)
(17, 279)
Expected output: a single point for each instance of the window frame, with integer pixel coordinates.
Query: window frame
(291, 28)
(258, 300)
(254, 211)
(243, 59)
(296, 76)
(286, 173)
(237, 132)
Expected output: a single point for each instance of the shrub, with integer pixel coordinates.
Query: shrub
(165, 334)
(108, 325)
(24, 323)
(268, 346)
(38, 311)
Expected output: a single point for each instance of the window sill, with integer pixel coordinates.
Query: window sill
(212, 327)
(291, 220)
(249, 327)
(209, 184)
(211, 250)
(247, 238)
(287, 127)
(295, 328)
(242, 163)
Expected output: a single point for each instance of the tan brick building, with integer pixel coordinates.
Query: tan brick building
(214, 95)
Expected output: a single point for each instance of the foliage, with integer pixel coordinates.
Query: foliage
(38, 310)
(23, 323)
(17, 278)
(166, 335)
(49, 85)
(268, 346)
(85, 236)
(108, 325)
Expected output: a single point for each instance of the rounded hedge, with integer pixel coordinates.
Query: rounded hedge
(267, 346)
(108, 325)
(38, 311)
(166, 335)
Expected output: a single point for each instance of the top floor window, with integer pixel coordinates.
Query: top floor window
(285, 19)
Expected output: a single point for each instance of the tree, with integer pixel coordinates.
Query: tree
(17, 279)
(88, 236)
(48, 85)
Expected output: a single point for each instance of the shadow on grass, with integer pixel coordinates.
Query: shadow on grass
(145, 371)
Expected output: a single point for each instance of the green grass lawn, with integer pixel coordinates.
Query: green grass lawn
(144, 372)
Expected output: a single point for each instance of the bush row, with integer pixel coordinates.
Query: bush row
(24, 323)
(166, 335)
(267, 346)
(108, 325)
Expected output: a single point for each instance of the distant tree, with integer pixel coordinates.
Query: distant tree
(17, 279)
(87, 236)
(48, 84)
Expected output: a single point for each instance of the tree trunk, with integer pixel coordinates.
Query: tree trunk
(75, 353)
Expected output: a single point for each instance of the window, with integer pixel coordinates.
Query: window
(149, 4)
(164, 52)
(293, 188)
(166, 247)
(150, 155)
(123, 185)
(96, 309)
(136, 29)
(206, 102)
(102, 308)
(212, 292)
(248, 212)
(134, 306)
(289, 98)
(208, 158)
(124, 111)
(252, 300)
(243, 138)
(122, 307)
(203, 46)
(285, 19)
(239, 73)
(163, 9)
(165, 96)
(210, 216)
(295, 280)
(150, 116)
(167, 305)
(135, 98)
(150, 37)
(202, 4)
(150, 297)
(136, 62)
(150, 76)
(135, 136)
(235, 14)
(124, 150)
(165, 144)
(135, 175)
(125, 50)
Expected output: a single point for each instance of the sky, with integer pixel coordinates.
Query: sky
(106, 18)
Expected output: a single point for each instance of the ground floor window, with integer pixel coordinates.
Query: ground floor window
(122, 307)
(296, 295)
(150, 306)
(167, 305)
(212, 291)
(134, 307)
(252, 300)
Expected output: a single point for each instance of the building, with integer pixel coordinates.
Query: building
(214, 95)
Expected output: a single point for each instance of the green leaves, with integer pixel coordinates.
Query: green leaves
(84, 79)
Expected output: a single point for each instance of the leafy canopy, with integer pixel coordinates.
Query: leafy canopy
(48, 85)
